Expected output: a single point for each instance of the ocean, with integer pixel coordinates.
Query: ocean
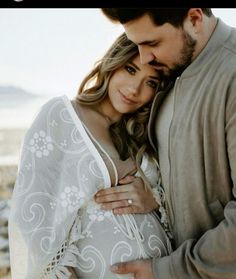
(16, 116)
(17, 112)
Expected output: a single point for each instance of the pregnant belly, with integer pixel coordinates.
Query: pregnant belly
(108, 239)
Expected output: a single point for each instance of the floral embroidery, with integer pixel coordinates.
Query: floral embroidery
(41, 144)
(95, 213)
(52, 205)
(72, 198)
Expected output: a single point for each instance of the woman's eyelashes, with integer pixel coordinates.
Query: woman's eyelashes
(131, 70)
(153, 84)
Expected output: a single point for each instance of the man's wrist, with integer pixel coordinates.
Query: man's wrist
(161, 268)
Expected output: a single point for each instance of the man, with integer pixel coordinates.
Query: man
(193, 129)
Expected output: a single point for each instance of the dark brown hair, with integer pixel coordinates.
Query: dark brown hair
(159, 16)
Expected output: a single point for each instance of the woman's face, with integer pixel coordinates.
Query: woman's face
(132, 86)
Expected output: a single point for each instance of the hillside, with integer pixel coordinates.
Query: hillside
(11, 95)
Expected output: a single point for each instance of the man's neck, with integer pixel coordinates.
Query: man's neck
(209, 28)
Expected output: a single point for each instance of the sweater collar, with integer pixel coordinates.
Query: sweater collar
(217, 39)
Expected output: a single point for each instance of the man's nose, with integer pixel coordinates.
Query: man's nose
(145, 55)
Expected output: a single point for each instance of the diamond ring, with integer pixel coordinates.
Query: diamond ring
(130, 201)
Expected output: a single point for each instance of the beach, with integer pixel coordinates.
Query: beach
(16, 115)
(10, 142)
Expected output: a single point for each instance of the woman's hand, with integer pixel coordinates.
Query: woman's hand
(129, 197)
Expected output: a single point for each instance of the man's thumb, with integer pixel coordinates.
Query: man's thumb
(124, 268)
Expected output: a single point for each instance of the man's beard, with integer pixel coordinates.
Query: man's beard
(184, 61)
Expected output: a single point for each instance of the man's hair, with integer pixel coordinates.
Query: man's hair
(159, 16)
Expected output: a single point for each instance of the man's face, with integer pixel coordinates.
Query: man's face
(167, 48)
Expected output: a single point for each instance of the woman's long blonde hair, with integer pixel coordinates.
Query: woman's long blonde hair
(129, 135)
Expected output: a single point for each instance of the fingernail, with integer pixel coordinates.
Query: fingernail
(114, 268)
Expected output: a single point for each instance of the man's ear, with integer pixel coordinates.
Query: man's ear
(195, 17)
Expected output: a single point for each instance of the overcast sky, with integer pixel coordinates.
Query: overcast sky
(49, 51)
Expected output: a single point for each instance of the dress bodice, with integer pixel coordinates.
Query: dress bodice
(106, 238)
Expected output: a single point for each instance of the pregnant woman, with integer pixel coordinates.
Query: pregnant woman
(71, 151)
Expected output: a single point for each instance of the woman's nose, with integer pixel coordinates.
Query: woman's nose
(132, 89)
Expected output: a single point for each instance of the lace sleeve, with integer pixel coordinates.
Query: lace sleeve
(53, 183)
(151, 170)
(60, 265)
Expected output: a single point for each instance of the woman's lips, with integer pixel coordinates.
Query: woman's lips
(127, 100)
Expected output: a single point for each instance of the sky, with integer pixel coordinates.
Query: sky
(49, 51)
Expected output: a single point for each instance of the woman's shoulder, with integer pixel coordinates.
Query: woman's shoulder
(53, 100)
(54, 107)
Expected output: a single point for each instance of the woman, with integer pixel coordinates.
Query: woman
(72, 150)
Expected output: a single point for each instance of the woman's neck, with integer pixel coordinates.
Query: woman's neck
(106, 109)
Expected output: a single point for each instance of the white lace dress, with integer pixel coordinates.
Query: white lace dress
(54, 221)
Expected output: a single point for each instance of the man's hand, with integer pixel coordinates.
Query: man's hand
(142, 269)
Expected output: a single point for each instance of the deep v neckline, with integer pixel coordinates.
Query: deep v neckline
(94, 140)
(117, 168)
(79, 125)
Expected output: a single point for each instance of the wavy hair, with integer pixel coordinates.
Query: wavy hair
(129, 134)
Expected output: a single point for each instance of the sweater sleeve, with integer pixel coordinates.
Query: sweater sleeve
(213, 255)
